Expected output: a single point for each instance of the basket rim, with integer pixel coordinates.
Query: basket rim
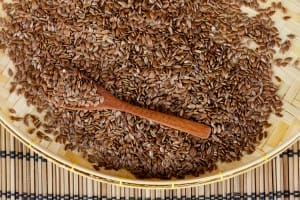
(143, 184)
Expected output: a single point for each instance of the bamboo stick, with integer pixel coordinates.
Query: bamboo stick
(104, 189)
(49, 178)
(65, 178)
(193, 191)
(236, 185)
(279, 174)
(201, 190)
(157, 194)
(222, 188)
(18, 179)
(12, 175)
(241, 188)
(183, 192)
(265, 177)
(162, 194)
(7, 164)
(109, 191)
(228, 186)
(80, 185)
(57, 180)
(44, 178)
(3, 169)
(274, 176)
(296, 166)
(168, 193)
(270, 177)
(116, 191)
(147, 194)
(122, 192)
(261, 180)
(71, 185)
(152, 194)
(90, 191)
(212, 189)
(76, 184)
(291, 185)
(84, 186)
(248, 186)
(285, 163)
(206, 190)
(1, 162)
(13, 167)
(96, 188)
(38, 169)
(188, 193)
(26, 169)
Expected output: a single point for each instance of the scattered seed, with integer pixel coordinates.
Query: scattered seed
(40, 134)
(11, 110)
(12, 88)
(10, 72)
(291, 36)
(285, 46)
(278, 79)
(284, 64)
(14, 118)
(288, 59)
(47, 138)
(31, 131)
(284, 10)
(37, 123)
(26, 119)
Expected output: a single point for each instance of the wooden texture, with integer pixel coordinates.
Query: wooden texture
(283, 133)
(26, 175)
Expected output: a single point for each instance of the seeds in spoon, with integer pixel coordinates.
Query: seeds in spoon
(73, 90)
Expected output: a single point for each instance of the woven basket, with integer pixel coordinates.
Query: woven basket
(283, 132)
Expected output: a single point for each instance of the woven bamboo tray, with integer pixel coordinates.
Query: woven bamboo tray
(283, 132)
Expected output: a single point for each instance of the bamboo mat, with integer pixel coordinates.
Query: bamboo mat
(26, 175)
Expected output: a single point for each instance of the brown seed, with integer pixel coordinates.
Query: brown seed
(31, 130)
(284, 64)
(47, 138)
(284, 10)
(10, 72)
(15, 118)
(278, 79)
(12, 88)
(11, 110)
(26, 119)
(37, 123)
(285, 46)
(288, 59)
(291, 36)
(40, 134)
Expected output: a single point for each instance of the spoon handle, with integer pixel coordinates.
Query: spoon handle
(184, 125)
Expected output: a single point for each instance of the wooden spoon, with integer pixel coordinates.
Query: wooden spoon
(113, 103)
